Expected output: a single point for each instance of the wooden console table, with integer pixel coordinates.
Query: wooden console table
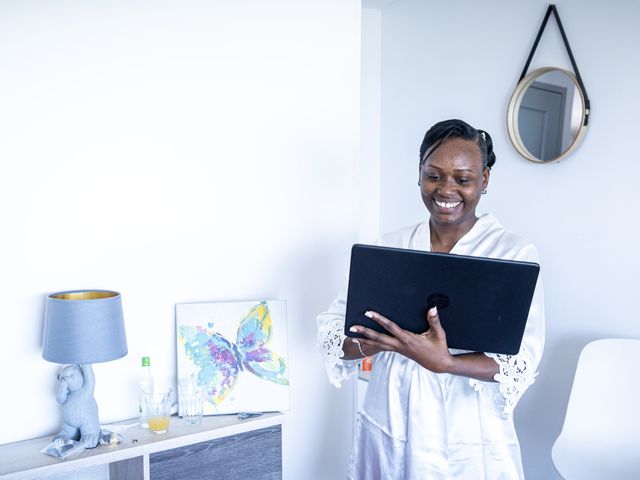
(224, 447)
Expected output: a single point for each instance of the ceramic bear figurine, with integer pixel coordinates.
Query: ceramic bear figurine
(79, 407)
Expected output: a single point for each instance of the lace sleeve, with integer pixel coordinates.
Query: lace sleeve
(330, 339)
(517, 373)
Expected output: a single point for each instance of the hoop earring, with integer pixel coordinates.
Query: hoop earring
(484, 192)
(419, 183)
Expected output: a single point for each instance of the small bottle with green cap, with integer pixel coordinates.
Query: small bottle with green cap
(146, 387)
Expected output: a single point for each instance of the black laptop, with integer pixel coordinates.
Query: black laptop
(483, 303)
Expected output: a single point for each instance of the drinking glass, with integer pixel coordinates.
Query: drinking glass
(158, 405)
(190, 401)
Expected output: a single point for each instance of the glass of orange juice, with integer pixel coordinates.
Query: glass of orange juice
(158, 404)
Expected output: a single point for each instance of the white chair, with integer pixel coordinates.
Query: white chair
(600, 437)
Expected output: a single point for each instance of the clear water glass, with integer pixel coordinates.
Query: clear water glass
(190, 401)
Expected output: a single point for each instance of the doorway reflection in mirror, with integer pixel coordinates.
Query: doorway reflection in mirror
(550, 115)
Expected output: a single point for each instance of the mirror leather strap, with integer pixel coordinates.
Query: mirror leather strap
(552, 9)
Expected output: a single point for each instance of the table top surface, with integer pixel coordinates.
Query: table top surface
(21, 458)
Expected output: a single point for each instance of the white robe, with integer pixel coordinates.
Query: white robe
(415, 424)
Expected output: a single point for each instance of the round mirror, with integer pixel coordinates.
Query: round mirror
(547, 113)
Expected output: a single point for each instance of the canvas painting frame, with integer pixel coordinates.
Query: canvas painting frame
(236, 352)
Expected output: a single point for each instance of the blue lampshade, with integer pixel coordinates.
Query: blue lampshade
(83, 327)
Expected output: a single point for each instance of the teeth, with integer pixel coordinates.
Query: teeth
(447, 204)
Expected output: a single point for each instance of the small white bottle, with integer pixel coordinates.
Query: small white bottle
(146, 386)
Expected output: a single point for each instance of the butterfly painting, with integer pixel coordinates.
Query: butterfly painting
(237, 353)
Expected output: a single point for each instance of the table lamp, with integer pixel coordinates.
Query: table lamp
(82, 327)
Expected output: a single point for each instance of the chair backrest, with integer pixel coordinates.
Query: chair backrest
(600, 436)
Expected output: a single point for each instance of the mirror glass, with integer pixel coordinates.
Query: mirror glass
(546, 115)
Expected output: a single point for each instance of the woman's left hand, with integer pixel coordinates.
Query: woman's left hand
(429, 349)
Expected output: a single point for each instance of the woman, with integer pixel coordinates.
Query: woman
(432, 412)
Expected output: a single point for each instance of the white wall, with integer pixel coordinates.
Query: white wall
(463, 59)
(370, 110)
(176, 152)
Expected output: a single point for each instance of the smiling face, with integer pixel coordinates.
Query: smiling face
(452, 179)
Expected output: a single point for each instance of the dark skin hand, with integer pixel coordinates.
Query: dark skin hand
(428, 349)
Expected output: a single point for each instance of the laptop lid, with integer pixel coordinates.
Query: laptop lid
(483, 303)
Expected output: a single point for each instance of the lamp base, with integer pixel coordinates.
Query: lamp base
(79, 408)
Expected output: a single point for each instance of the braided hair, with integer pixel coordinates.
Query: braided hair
(448, 129)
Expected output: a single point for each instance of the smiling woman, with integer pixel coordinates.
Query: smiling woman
(455, 163)
(431, 411)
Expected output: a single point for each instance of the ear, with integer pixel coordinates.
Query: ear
(485, 177)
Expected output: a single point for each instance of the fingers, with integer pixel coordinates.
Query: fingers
(434, 322)
(373, 340)
(388, 325)
(368, 347)
(368, 334)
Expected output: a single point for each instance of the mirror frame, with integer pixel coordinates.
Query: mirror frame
(514, 108)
